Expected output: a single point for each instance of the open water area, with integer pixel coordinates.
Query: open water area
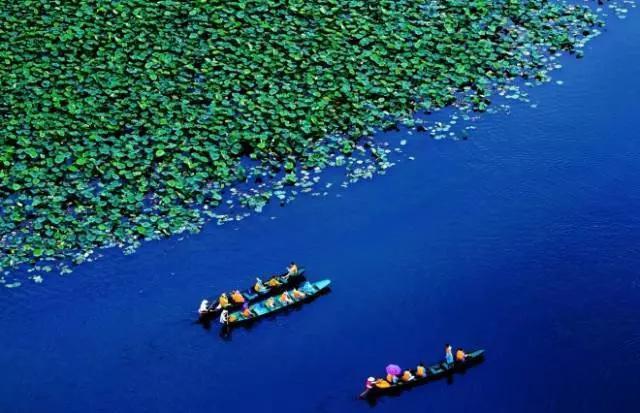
(523, 240)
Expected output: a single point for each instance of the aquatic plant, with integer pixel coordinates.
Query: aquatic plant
(121, 121)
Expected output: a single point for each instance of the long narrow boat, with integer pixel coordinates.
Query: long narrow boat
(434, 372)
(251, 295)
(262, 308)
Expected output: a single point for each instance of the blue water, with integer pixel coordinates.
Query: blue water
(523, 240)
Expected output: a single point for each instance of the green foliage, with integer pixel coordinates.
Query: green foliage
(117, 117)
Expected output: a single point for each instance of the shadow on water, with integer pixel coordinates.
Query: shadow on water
(459, 370)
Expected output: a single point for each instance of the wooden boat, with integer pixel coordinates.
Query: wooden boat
(434, 372)
(250, 295)
(261, 309)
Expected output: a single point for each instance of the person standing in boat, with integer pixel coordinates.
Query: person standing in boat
(448, 354)
(224, 317)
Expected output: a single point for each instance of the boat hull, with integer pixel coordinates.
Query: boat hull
(262, 311)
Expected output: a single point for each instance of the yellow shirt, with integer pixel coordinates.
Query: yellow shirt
(382, 384)
(273, 282)
(224, 301)
(237, 297)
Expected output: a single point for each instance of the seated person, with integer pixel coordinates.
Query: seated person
(297, 294)
(292, 269)
(421, 371)
(223, 301)
(407, 376)
(259, 287)
(460, 355)
(391, 378)
(246, 312)
(270, 303)
(273, 282)
(237, 297)
(285, 298)
(381, 384)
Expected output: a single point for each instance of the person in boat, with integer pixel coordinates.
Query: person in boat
(246, 311)
(368, 385)
(461, 356)
(292, 269)
(382, 384)
(223, 301)
(285, 298)
(204, 307)
(407, 376)
(297, 294)
(448, 355)
(421, 370)
(237, 297)
(270, 303)
(392, 378)
(273, 282)
(224, 317)
(259, 287)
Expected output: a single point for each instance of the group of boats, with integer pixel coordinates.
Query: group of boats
(263, 298)
(280, 292)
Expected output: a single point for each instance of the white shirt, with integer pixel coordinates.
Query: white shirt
(224, 316)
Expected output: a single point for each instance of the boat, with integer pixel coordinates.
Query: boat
(250, 295)
(260, 309)
(434, 372)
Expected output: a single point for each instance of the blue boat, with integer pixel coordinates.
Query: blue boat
(274, 304)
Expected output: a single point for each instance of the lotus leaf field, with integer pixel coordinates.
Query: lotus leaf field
(122, 120)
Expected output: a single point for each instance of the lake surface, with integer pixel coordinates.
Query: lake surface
(523, 240)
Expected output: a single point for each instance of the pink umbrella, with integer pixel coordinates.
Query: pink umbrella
(393, 369)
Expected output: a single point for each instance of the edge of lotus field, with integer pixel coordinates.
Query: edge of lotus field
(171, 193)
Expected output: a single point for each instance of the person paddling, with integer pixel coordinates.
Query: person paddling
(204, 307)
(224, 317)
(368, 385)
